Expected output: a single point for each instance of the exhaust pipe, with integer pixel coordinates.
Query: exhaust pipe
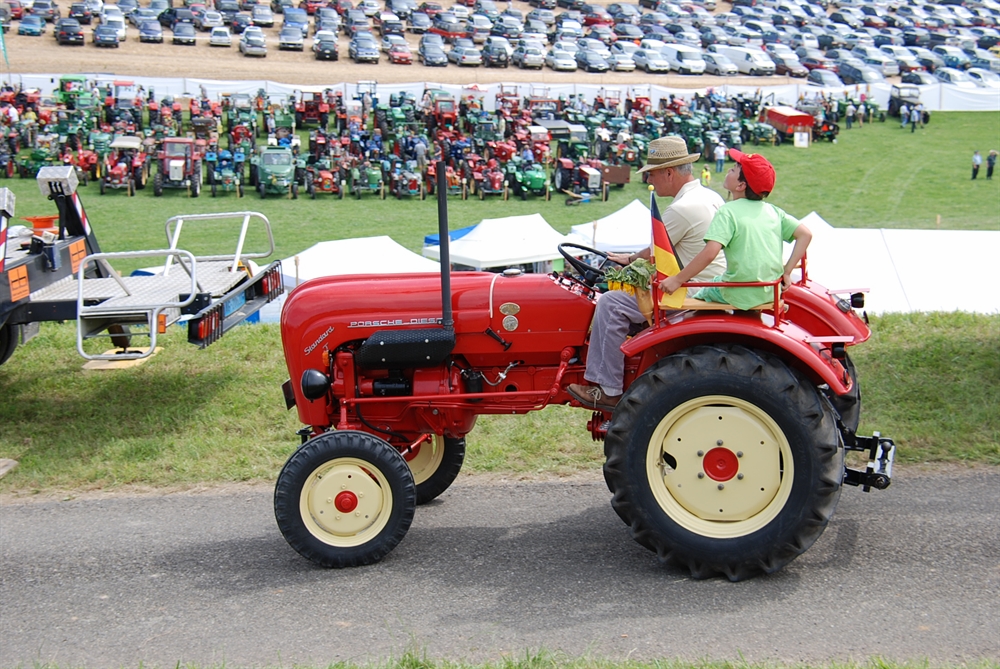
(447, 320)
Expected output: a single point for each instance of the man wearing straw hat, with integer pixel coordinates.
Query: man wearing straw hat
(668, 172)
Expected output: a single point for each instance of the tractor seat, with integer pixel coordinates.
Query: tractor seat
(701, 305)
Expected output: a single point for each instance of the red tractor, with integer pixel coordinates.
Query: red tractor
(724, 456)
(493, 181)
(125, 165)
(179, 166)
(311, 108)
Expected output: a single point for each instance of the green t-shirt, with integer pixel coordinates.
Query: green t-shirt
(751, 233)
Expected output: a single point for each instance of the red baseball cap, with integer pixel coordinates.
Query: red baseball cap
(757, 171)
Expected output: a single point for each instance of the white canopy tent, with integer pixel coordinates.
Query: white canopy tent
(625, 231)
(365, 255)
(504, 242)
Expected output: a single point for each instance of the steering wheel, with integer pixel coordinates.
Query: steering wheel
(588, 275)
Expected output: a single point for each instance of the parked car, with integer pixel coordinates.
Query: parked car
(591, 61)
(955, 77)
(31, 25)
(432, 55)
(650, 60)
(290, 39)
(560, 60)
(253, 44)
(461, 55)
(824, 78)
(621, 62)
(526, 57)
(495, 55)
(68, 31)
(220, 36)
(326, 49)
(983, 78)
(363, 49)
(716, 63)
(151, 31)
(400, 54)
(105, 36)
(184, 33)
(46, 10)
(78, 11)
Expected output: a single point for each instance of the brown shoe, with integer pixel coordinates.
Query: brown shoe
(592, 397)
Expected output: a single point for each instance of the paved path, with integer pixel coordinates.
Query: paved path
(909, 573)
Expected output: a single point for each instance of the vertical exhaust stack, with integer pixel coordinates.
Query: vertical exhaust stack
(447, 321)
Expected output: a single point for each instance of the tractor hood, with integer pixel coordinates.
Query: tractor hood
(529, 318)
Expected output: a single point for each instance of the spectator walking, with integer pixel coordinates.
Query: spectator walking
(904, 115)
(991, 162)
(977, 161)
(720, 156)
(706, 176)
(861, 114)
(850, 113)
(914, 118)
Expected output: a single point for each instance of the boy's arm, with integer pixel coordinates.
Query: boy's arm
(803, 236)
(697, 264)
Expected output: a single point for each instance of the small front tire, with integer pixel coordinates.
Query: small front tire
(344, 499)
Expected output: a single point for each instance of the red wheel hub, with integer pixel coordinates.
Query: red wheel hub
(721, 464)
(346, 501)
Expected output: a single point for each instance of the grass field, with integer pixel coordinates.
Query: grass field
(930, 381)
(876, 176)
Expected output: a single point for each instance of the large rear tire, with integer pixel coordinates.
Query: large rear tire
(344, 499)
(722, 459)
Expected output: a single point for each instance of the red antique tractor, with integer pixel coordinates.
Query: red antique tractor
(313, 109)
(125, 165)
(724, 456)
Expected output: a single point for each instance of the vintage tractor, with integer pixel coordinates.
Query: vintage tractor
(724, 456)
(311, 108)
(240, 109)
(322, 176)
(577, 178)
(125, 166)
(493, 181)
(367, 177)
(273, 171)
(405, 180)
(178, 166)
(225, 171)
(524, 178)
(456, 181)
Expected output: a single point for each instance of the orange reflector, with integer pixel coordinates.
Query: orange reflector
(161, 325)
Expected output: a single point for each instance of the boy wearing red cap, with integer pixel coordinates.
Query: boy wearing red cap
(750, 231)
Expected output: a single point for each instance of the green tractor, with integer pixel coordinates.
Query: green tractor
(40, 157)
(74, 93)
(274, 170)
(240, 109)
(525, 178)
(692, 130)
(367, 178)
(754, 132)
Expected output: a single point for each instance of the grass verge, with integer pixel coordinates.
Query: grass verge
(932, 382)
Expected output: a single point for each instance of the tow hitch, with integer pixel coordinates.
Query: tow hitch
(878, 473)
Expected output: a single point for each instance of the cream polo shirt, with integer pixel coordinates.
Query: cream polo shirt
(687, 220)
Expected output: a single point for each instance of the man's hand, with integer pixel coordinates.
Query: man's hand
(619, 258)
(670, 285)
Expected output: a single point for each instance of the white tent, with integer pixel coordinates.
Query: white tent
(365, 255)
(625, 231)
(906, 270)
(504, 242)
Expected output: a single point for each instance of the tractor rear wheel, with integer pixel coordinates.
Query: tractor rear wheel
(103, 186)
(849, 405)
(344, 499)
(435, 466)
(157, 185)
(212, 181)
(723, 459)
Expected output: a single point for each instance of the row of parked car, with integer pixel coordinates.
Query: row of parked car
(857, 41)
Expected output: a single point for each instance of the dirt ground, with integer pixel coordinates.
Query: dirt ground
(32, 55)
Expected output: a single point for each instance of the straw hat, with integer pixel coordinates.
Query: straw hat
(668, 152)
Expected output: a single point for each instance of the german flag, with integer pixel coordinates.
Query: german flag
(665, 258)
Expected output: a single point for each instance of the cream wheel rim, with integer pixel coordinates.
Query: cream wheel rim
(719, 466)
(345, 502)
(427, 459)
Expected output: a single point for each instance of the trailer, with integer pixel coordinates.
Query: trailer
(58, 272)
(787, 121)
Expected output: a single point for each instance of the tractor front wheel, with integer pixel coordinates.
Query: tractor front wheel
(723, 459)
(344, 499)
(157, 185)
(435, 466)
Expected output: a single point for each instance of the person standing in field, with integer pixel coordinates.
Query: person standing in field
(977, 161)
(991, 162)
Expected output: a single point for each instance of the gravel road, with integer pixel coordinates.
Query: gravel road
(491, 570)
